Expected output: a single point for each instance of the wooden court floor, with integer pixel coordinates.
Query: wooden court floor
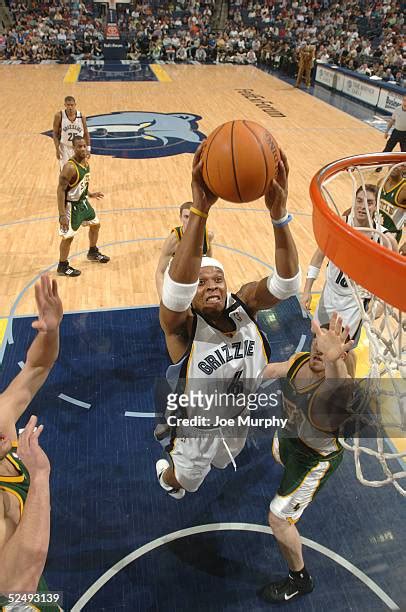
(141, 196)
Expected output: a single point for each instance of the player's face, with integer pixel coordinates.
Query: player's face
(316, 362)
(211, 294)
(70, 107)
(398, 173)
(80, 149)
(184, 217)
(5, 446)
(362, 201)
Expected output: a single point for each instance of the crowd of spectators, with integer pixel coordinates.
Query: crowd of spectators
(52, 30)
(361, 35)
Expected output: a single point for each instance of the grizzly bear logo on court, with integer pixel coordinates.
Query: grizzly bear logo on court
(141, 135)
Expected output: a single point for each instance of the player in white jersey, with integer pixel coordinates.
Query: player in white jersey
(337, 294)
(67, 124)
(212, 337)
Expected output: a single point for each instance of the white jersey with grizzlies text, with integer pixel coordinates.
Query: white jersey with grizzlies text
(231, 362)
(69, 129)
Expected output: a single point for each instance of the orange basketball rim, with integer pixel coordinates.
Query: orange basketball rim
(374, 267)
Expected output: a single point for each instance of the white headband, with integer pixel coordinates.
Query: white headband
(210, 261)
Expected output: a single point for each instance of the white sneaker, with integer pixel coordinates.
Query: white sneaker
(161, 466)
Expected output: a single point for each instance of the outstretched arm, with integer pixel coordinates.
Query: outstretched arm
(86, 134)
(66, 178)
(23, 554)
(168, 249)
(330, 406)
(41, 356)
(210, 236)
(312, 274)
(56, 133)
(180, 282)
(390, 123)
(278, 369)
(285, 282)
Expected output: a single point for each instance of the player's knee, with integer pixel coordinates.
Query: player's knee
(191, 488)
(67, 239)
(277, 524)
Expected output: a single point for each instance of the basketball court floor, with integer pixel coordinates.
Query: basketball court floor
(118, 543)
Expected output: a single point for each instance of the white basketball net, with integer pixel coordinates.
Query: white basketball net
(385, 329)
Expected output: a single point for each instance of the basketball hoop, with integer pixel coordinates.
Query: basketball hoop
(378, 273)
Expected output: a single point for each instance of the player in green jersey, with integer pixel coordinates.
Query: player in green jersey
(24, 467)
(75, 209)
(392, 205)
(308, 449)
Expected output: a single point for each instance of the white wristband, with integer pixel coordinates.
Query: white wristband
(313, 272)
(177, 296)
(283, 288)
(89, 148)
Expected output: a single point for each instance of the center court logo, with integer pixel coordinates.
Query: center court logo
(143, 135)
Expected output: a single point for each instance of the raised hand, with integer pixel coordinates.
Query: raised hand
(49, 305)
(277, 194)
(203, 198)
(30, 452)
(332, 342)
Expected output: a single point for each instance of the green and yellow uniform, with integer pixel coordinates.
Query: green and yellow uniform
(178, 231)
(308, 454)
(18, 486)
(76, 196)
(393, 213)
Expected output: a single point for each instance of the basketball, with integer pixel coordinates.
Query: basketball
(239, 161)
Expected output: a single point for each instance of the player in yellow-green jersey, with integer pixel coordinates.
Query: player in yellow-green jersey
(75, 209)
(24, 467)
(172, 242)
(392, 203)
(308, 448)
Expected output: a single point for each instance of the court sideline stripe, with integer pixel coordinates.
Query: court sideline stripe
(160, 73)
(146, 548)
(72, 74)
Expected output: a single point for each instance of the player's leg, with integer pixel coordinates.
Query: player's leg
(288, 540)
(187, 466)
(65, 154)
(305, 474)
(94, 227)
(64, 269)
(308, 75)
(299, 75)
(402, 140)
(64, 248)
(392, 141)
(167, 479)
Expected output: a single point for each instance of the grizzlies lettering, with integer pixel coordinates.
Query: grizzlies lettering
(225, 354)
(73, 127)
